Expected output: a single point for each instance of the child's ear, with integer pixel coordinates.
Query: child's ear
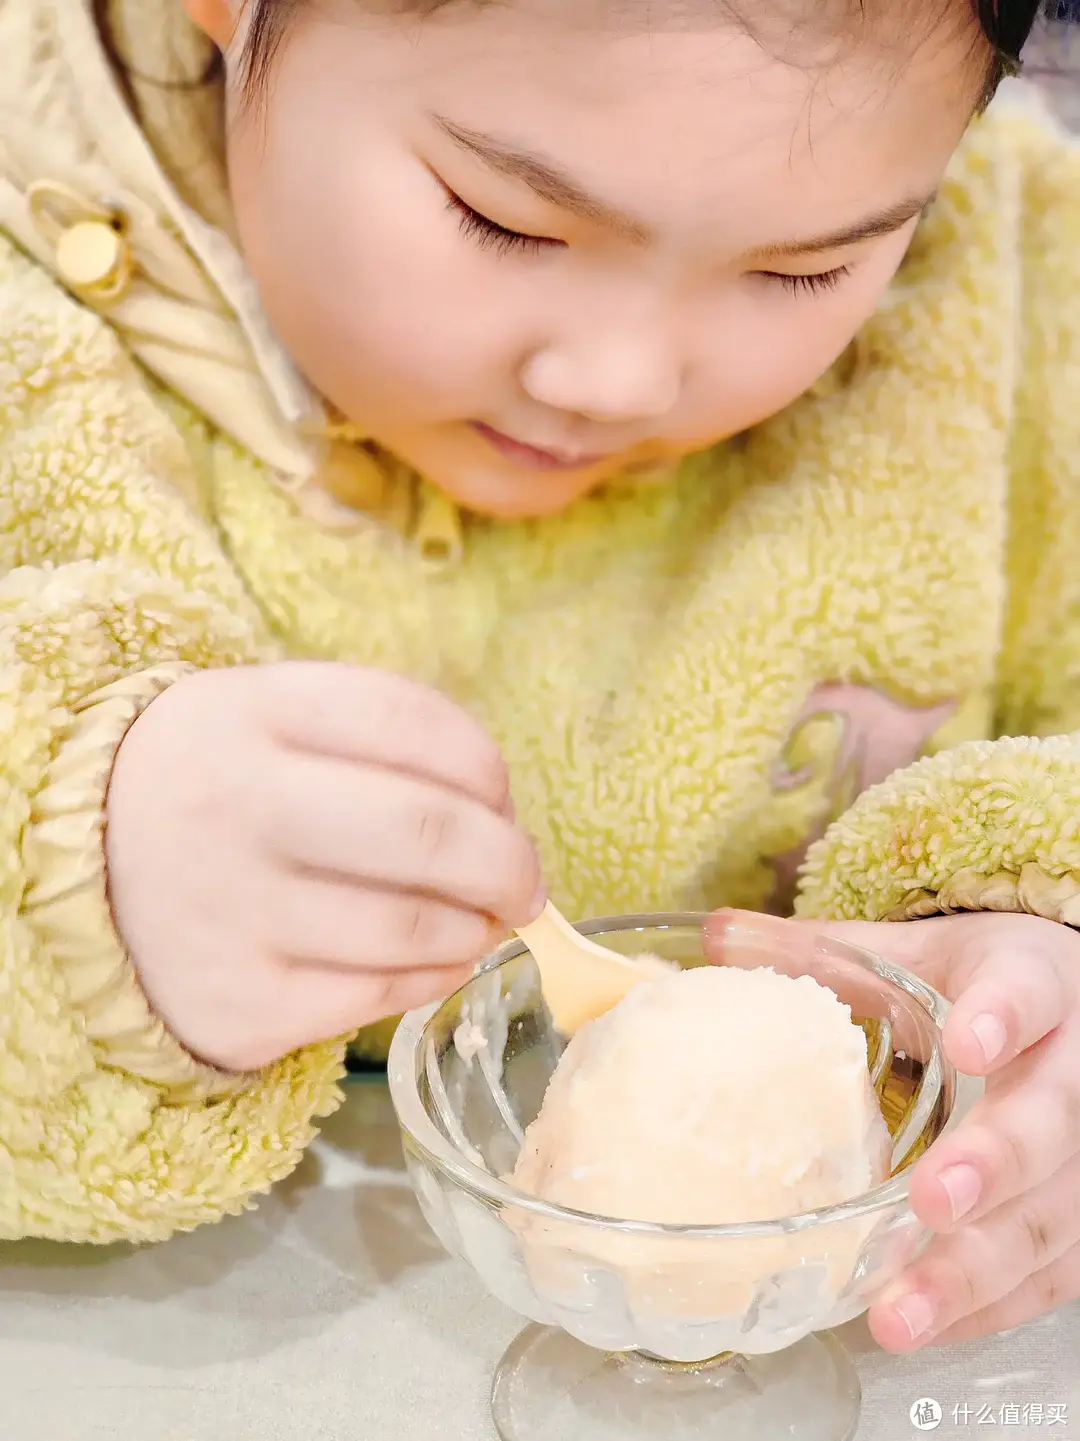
(216, 17)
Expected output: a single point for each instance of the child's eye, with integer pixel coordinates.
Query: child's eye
(489, 235)
(808, 284)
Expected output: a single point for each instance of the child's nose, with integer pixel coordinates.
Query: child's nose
(609, 378)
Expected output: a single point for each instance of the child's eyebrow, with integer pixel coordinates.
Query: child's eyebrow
(545, 178)
(554, 184)
(884, 222)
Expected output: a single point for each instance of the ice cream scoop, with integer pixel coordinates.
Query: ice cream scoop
(715, 1096)
(712, 1096)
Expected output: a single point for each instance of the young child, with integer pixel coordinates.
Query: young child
(635, 406)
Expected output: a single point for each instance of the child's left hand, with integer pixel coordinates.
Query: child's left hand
(1003, 1189)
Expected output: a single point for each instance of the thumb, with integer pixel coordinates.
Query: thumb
(800, 948)
(1003, 972)
(930, 948)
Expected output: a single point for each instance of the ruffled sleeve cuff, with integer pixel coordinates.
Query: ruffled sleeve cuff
(66, 901)
(990, 826)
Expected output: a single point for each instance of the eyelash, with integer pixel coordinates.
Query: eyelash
(808, 284)
(489, 235)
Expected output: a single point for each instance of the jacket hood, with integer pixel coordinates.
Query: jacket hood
(81, 150)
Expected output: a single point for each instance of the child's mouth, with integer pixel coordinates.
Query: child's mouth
(536, 457)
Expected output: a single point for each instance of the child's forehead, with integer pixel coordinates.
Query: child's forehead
(700, 119)
(693, 64)
(813, 35)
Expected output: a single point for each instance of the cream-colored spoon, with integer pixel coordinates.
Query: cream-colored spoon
(580, 979)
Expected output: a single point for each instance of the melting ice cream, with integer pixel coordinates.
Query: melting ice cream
(707, 1097)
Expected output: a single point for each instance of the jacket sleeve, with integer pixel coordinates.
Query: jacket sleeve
(111, 587)
(996, 825)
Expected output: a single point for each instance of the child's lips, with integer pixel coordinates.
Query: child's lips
(537, 457)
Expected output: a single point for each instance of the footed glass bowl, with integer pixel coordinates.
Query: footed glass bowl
(659, 1331)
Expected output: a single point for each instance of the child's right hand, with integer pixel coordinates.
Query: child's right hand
(298, 850)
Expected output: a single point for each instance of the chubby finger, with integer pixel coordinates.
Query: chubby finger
(353, 713)
(977, 1265)
(1017, 1136)
(1011, 978)
(1055, 1285)
(798, 948)
(903, 944)
(334, 1003)
(389, 830)
(316, 1004)
(1014, 992)
(393, 995)
(312, 920)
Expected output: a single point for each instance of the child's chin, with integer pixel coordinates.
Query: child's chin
(521, 494)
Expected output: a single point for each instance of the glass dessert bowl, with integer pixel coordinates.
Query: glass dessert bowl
(643, 1330)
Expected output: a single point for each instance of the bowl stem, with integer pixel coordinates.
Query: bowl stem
(550, 1387)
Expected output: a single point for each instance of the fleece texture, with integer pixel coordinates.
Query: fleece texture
(824, 632)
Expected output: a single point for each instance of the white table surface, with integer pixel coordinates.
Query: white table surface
(330, 1313)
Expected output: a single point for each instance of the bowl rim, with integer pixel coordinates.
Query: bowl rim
(421, 1132)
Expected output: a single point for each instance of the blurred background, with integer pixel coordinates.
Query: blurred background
(1053, 59)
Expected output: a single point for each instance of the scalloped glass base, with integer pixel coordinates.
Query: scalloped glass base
(549, 1387)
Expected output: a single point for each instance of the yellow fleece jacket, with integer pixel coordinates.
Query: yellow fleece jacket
(690, 681)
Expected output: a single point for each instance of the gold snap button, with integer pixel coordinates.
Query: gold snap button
(93, 256)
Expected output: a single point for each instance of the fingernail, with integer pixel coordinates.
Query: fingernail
(540, 900)
(962, 1186)
(991, 1036)
(917, 1313)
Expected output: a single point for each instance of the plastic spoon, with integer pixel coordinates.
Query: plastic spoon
(580, 979)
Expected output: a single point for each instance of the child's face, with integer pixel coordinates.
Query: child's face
(663, 173)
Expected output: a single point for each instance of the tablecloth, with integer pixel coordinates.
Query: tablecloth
(330, 1313)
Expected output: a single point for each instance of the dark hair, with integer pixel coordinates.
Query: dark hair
(125, 75)
(1006, 24)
